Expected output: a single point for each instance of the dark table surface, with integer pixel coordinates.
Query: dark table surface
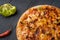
(21, 5)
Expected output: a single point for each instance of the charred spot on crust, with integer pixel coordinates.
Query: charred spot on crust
(58, 24)
(54, 28)
(43, 31)
(49, 34)
(50, 8)
(29, 27)
(59, 32)
(30, 38)
(35, 20)
(21, 22)
(26, 37)
(37, 31)
(57, 21)
(58, 37)
(53, 38)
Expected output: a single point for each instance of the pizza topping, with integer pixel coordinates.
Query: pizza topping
(28, 19)
(42, 13)
(42, 36)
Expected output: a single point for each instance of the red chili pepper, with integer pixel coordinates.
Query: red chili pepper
(6, 33)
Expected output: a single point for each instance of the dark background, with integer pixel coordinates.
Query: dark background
(21, 5)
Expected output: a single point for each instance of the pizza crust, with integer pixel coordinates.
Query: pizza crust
(22, 17)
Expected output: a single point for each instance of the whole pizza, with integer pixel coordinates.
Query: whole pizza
(40, 22)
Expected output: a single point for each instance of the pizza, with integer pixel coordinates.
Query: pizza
(40, 22)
